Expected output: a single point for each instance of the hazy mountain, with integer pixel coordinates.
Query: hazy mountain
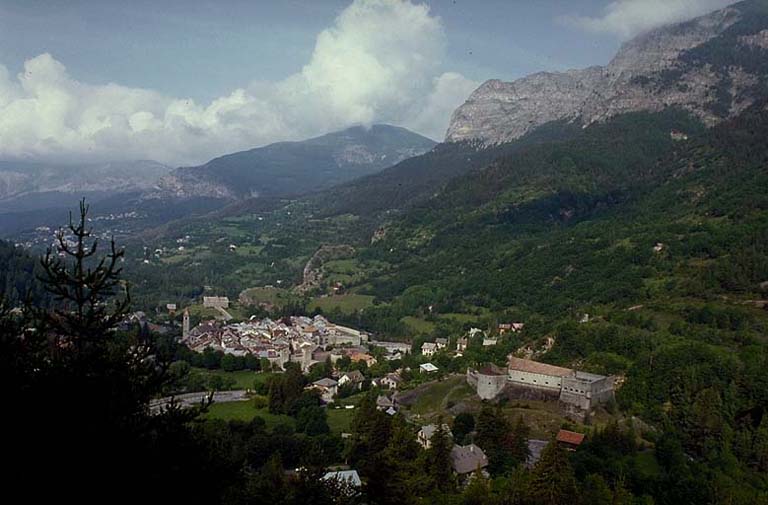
(35, 185)
(714, 66)
(289, 168)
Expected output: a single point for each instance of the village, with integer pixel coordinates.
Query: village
(405, 371)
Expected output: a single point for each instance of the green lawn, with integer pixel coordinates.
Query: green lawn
(435, 396)
(245, 411)
(244, 379)
(346, 303)
(340, 420)
(273, 295)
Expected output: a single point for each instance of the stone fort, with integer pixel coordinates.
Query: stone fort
(573, 388)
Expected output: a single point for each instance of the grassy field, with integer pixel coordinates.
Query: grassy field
(345, 303)
(417, 325)
(434, 397)
(272, 295)
(245, 411)
(340, 420)
(201, 312)
(244, 379)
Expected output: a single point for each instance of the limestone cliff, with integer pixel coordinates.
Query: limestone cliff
(713, 66)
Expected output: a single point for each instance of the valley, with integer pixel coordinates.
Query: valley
(563, 302)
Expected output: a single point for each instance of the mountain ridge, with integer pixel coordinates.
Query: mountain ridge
(295, 167)
(696, 65)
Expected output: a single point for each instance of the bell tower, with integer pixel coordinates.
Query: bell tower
(185, 325)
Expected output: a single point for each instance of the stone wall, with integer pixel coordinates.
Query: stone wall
(534, 380)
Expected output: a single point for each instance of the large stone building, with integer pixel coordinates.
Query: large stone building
(216, 302)
(573, 388)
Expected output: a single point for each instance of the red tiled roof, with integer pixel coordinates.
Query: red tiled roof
(526, 365)
(570, 437)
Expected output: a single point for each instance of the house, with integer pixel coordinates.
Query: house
(427, 368)
(570, 440)
(390, 381)
(392, 348)
(513, 327)
(467, 459)
(349, 477)
(474, 332)
(428, 348)
(356, 356)
(487, 342)
(386, 403)
(461, 344)
(355, 378)
(441, 343)
(426, 432)
(327, 387)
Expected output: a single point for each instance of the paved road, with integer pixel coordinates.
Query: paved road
(192, 399)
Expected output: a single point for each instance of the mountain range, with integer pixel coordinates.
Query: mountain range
(26, 185)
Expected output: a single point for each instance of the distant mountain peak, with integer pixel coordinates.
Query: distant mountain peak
(292, 168)
(713, 66)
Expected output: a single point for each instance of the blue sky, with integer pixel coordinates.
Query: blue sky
(204, 49)
(181, 81)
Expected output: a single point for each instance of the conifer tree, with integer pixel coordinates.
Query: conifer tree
(553, 481)
(517, 441)
(438, 459)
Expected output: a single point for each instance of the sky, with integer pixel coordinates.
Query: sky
(182, 81)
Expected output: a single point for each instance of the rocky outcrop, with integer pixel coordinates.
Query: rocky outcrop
(501, 111)
(695, 65)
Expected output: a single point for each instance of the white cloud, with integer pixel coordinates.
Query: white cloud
(379, 62)
(627, 18)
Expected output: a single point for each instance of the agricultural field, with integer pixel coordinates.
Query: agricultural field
(245, 411)
(348, 304)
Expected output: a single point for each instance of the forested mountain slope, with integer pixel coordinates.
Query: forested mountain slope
(293, 168)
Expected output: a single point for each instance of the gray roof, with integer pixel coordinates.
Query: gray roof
(535, 447)
(468, 458)
(355, 376)
(429, 429)
(350, 477)
(329, 383)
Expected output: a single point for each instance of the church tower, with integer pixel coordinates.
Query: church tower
(185, 325)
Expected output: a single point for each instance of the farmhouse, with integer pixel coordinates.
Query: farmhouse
(327, 387)
(428, 348)
(570, 440)
(424, 436)
(391, 380)
(355, 378)
(467, 459)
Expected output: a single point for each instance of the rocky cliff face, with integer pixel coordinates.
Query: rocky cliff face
(710, 66)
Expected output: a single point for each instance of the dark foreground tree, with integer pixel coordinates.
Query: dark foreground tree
(78, 420)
